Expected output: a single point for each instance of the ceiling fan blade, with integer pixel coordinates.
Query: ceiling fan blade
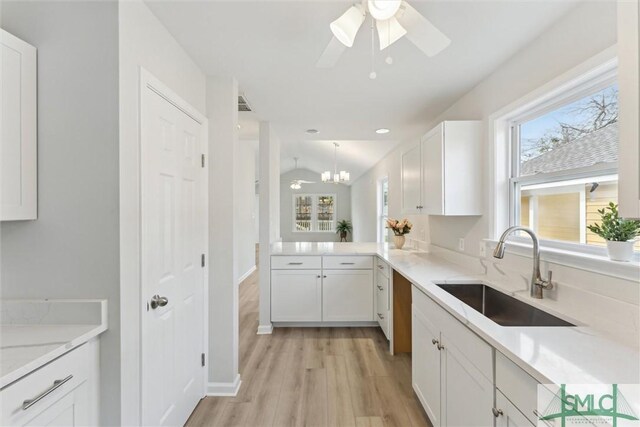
(331, 54)
(302, 181)
(421, 32)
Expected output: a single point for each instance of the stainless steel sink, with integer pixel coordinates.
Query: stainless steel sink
(501, 308)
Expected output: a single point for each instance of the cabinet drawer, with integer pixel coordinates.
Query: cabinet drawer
(518, 386)
(358, 262)
(382, 267)
(74, 367)
(304, 262)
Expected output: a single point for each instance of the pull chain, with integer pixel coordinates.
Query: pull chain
(373, 74)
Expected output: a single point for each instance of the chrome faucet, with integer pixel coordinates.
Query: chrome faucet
(537, 282)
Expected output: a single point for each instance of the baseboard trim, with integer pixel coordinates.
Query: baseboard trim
(265, 329)
(247, 274)
(224, 389)
(363, 324)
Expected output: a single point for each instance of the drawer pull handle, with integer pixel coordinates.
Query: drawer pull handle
(380, 287)
(347, 263)
(56, 384)
(295, 263)
(381, 267)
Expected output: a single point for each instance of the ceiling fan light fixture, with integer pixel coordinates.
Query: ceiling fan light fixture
(389, 32)
(383, 9)
(346, 27)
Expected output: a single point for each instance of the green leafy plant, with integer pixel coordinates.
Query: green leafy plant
(613, 228)
(344, 227)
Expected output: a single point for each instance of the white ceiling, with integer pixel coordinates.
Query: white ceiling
(271, 48)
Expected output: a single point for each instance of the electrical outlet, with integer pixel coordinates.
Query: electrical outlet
(461, 244)
(483, 249)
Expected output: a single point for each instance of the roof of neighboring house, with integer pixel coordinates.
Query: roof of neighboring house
(600, 146)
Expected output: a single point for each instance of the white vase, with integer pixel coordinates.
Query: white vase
(398, 241)
(620, 251)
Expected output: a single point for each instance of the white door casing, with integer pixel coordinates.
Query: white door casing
(173, 245)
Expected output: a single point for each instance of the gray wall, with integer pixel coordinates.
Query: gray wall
(72, 249)
(343, 196)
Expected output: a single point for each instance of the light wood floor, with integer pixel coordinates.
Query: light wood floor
(313, 377)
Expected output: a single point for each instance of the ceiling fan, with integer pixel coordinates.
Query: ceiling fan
(296, 184)
(393, 19)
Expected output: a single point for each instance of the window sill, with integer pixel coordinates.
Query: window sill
(583, 261)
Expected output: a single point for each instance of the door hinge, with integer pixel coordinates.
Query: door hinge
(203, 160)
(202, 359)
(202, 263)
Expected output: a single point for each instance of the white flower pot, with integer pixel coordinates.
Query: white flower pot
(620, 251)
(398, 241)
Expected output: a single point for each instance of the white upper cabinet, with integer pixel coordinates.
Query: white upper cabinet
(411, 176)
(451, 169)
(18, 146)
(629, 117)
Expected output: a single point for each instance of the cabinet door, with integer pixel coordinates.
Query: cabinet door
(510, 415)
(296, 295)
(433, 173)
(347, 295)
(382, 302)
(467, 394)
(425, 365)
(18, 162)
(411, 173)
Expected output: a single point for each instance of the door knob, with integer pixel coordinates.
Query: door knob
(158, 301)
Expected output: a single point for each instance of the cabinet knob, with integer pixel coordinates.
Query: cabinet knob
(380, 287)
(319, 276)
(380, 316)
(497, 412)
(435, 341)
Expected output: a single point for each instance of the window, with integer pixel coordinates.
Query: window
(383, 210)
(314, 213)
(564, 163)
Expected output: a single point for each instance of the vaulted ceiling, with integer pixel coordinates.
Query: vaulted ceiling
(271, 47)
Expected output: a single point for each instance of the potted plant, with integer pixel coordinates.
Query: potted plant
(619, 233)
(343, 228)
(399, 228)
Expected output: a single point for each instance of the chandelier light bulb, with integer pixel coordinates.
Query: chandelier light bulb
(389, 60)
(373, 75)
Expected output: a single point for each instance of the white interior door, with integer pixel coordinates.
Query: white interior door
(174, 232)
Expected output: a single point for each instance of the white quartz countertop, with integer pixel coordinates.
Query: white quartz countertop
(35, 332)
(552, 355)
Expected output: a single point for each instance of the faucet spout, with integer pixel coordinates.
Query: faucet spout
(537, 282)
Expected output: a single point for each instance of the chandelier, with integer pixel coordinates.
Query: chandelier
(336, 177)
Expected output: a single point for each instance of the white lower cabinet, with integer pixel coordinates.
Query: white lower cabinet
(347, 295)
(382, 309)
(450, 373)
(64, 392)
(425, 365)
(509, 415)
(296, 295)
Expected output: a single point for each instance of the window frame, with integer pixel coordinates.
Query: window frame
(382, 219)
(580, 87)
(314, 212)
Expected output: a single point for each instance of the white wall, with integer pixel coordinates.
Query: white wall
(245, 209)
(343, 205)
(364, 199)
(144, 42)
(72, 249)
(584, 32)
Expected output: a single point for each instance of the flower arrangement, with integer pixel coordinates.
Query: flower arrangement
(399, 228)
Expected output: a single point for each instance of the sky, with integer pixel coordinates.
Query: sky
(533, 130)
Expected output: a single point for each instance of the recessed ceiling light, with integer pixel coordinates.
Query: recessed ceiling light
(312, 131)
(382, 131)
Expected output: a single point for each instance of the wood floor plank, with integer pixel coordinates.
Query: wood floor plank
(289, 406)
(234, 415)
(369, 422)
(340, 409)
(314, 398)
(392, 406)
